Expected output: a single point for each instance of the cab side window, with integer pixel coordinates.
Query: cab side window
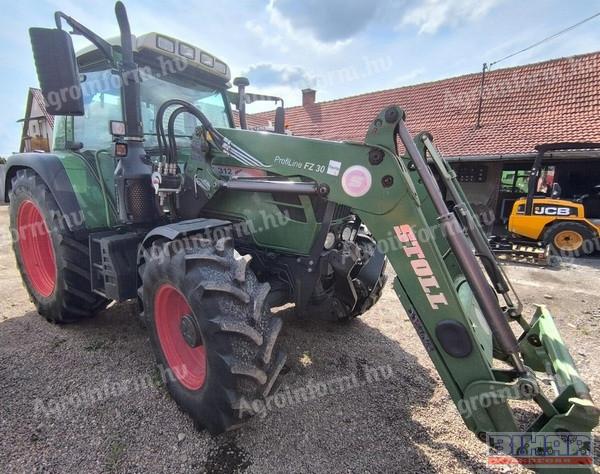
(102, 101)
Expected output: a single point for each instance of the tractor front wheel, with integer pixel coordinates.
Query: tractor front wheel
(571, 239)
(53, 264)
(211, 330)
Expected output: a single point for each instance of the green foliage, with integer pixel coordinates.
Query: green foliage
(2, 160)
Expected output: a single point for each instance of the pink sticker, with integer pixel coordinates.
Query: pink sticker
(356, 181)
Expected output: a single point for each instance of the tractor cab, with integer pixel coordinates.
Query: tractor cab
(569, 226)
(168, 68)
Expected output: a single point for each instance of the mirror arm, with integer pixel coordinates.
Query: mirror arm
(242, 99)
(79, 29)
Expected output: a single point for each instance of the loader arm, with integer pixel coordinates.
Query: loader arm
(447, 278)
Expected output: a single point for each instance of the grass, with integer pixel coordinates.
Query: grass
(115, 455)
(157, 378)
(57, 342)
(96, 344)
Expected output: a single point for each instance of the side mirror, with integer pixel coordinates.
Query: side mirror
(556, 191)
(241, 81)
(279, 120)
(57, 71)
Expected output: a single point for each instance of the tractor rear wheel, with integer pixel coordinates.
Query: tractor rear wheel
(211, 329)
(572, 239)
(53, 264)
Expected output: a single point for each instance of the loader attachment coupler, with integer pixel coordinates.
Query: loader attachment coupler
(462, 305)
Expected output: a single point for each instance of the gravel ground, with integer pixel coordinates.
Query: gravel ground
(86, 397)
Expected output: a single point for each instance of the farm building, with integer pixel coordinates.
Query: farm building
(37, 124)
(521, 107)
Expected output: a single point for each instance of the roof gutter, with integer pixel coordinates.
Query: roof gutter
(563, 155)
(499, 157)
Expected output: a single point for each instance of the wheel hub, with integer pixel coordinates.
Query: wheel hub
(568, 240)
(180, 337)
(190, 331)
(35, 245)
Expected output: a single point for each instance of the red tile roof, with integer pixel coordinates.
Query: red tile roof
(552, 101)
(253, 121)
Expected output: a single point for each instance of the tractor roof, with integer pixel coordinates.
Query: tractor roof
(170, 48)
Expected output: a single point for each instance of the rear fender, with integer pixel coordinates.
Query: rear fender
(49, 167)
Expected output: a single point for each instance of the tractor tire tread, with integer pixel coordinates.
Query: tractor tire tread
(236, 321)
(73, 300)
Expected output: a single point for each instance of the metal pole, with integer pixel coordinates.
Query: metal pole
(478, 125)
(264, 186)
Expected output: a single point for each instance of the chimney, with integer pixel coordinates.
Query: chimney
(308, 97)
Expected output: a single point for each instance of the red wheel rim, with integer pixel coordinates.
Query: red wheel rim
(187, 363)
(36, 249)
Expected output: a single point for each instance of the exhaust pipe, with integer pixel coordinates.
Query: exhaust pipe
(135, 195)
(130, 77)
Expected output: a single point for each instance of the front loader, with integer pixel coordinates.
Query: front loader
(151, 193)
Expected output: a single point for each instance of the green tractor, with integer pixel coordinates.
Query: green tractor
(151, 193)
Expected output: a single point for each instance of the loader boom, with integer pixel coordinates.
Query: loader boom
(439, 260)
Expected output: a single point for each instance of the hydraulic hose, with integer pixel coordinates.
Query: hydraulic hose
(222, 143)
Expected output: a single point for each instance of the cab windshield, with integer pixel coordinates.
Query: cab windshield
(102, 98)
(155, 91)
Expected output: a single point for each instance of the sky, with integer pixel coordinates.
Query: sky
(338, 47)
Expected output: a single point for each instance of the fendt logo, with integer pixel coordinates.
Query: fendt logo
(554, 211)
(420, 265)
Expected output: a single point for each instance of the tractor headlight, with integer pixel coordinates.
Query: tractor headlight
(347, 233)
(187, 51)
(220, 67)
(166, 44)
(207, 60)
(329, 241)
